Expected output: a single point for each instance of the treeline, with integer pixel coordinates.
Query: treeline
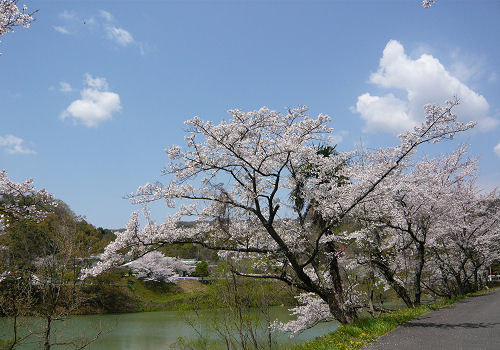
(40, 261)
(44, 246)
(26, 240)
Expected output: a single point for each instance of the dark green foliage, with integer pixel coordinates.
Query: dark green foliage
(201, 269)
(62, 236)
(106, 293)
(189, 251)
(495, 267)
(26, 240)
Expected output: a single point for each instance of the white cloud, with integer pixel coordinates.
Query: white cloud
(104, 22)
(71, 23)
(119, 35)
(65, 87)
(62, 29)
(14, 145)
(425, 80)
(386, 113)
(497, 149)
(96, 104)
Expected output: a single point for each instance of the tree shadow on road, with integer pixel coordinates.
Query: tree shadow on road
(451, 325)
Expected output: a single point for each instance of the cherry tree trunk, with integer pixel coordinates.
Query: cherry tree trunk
(336, 302)
(418, 273)
(398, 287)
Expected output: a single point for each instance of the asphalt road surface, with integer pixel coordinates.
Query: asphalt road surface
(470, 324)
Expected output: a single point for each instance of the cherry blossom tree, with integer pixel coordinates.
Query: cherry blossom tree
(467, 240)
(18, 201)
(154, 266)
(11, 17)
(236, 180)
(401, 222)
(430, 228)
(21, 200)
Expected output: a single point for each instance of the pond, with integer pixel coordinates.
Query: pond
(153, 330)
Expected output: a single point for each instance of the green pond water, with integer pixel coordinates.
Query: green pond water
(151, 330)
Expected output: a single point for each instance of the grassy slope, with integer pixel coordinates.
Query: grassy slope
(156, 298)
(192, 294)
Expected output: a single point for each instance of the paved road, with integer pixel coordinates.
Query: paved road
(473, 323)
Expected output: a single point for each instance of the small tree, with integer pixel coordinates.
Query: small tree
(42, 258)
(19, 202)
(201, 269)
(16, 301)
(154, 266)
(57, 292)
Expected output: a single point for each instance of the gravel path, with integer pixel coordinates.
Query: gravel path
(470, 324)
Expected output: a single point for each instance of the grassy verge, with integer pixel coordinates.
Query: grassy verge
(367, 329)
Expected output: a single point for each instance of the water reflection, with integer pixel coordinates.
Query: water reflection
(148, 330)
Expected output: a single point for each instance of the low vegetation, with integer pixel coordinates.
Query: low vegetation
(368, 329)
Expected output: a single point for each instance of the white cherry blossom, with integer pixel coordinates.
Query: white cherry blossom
(21, 200)
(260, 186)
(11, 17)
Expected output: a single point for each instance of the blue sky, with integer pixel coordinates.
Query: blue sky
(94, 91)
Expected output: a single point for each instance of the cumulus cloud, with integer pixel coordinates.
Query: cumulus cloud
(96, 104)
(65, 87)
(383, 113)
(14, 145)
(425, 80)
(497, 149)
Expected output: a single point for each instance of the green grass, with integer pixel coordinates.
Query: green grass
(367, 329)
(194, 295)
(161, 297)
